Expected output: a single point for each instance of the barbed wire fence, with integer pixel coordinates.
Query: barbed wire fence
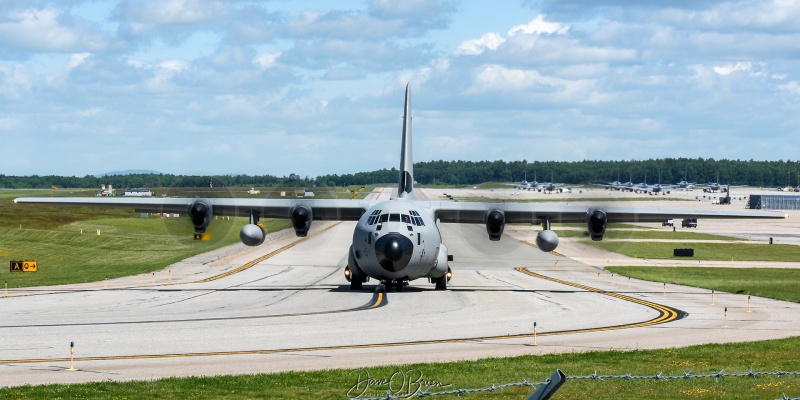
(422, 392)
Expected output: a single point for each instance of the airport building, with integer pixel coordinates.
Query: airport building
(139, 193)
(773, 202)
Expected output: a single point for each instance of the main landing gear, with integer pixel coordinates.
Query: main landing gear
(441, 282)
(356, 281)
(356, 284)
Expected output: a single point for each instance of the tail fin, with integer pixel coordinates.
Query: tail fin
(406, 162)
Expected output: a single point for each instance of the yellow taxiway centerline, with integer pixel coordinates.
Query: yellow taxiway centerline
(666, 314)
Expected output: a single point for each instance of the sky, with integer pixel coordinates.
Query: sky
(206, 87)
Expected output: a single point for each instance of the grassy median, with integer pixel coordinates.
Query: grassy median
(775, 283)
(88, 244)
(772, 355)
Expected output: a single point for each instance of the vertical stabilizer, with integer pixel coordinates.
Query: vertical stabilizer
(406, 162)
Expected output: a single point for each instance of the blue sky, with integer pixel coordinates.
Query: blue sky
(313, 87)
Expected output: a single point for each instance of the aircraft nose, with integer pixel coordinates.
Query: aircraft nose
(393, 251)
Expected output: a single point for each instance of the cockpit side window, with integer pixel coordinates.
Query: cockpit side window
(406, 218)
(416, 218)
(384, 218)
(373, 218)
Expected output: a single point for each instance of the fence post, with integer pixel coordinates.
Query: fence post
(551, 384)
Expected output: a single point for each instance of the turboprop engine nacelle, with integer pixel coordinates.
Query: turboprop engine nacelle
(200, 212)
(495, 222)
(596, 220)
(301, 217)
(252, 235)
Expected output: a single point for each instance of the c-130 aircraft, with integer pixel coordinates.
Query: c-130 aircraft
(398, 240)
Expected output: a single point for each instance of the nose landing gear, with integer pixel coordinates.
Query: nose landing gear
(398, 285)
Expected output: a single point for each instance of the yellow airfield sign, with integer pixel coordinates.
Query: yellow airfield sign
(24, 266)
(202, 236)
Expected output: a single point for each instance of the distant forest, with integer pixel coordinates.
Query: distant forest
(668, 170)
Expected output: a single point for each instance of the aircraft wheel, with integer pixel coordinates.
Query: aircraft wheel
(399, 285)
(441, 283)
(356, 283)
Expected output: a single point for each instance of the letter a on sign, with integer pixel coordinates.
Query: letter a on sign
(16, 266)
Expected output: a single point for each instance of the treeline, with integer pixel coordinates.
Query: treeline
(151, 181)
(668, 170)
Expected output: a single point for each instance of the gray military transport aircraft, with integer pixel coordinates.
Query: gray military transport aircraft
(398, 240)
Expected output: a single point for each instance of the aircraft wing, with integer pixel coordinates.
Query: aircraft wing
(323, 209)
(607, 185)
(351, 210)
(520, 186)
(475, 212)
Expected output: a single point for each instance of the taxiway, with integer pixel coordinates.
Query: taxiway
(286, 306)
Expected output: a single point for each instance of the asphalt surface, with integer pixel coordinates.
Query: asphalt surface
(223, 313)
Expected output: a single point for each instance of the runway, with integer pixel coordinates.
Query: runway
(286, 306)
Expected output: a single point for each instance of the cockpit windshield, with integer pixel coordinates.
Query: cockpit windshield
(412, 218)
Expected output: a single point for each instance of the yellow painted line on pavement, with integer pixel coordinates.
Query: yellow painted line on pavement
(666, 314)
(555, 253)
(252, 263)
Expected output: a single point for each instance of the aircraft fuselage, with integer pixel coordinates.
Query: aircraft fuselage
(397, 240)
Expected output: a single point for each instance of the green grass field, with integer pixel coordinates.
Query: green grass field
(776, 283)
(770, 355)
(704, 251)
(644, 234)
(65, 242)
(268, 192)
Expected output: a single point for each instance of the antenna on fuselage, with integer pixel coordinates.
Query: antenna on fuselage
(406, 162)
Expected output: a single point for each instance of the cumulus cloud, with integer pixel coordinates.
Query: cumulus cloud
(500, 78)
(368, 56)
(89, 112)
(49, 30)
(538, 26)
(410, 9)
(343, 25)
(731, 68)
(792, 87)
(160, 76)
(76, 60)
(15, 80)
(491, 40)
(172, 21)
(169, 12)
(253, 24)
(625, 74)
(383, 19)
(773, 15)
(267, 60)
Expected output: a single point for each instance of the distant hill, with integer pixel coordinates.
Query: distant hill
(128, 172)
